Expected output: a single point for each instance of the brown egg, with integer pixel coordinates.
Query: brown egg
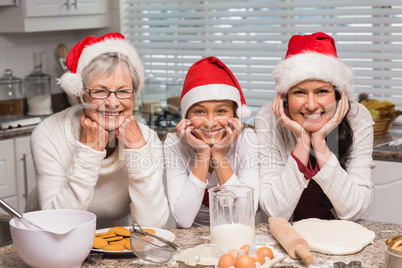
(235, 253)
(266, 252)
(245, 248)
(226, 260)
(245, 261)
(258, 257)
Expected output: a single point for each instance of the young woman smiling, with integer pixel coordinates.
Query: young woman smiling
(211, 146)
(315, 145)
(87, 156)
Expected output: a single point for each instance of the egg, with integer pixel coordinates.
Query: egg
(245, 248)
(258, 257)
(266, 252)
(245, 261)
(234, 253)
(226, 260)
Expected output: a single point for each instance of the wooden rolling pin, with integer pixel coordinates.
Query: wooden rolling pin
(295, 245)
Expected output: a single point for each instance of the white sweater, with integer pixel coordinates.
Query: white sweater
(186, 191)
(72, 175)
(282, 183)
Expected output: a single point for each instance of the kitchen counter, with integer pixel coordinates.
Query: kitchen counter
(385, 152)
(370, 256)
(16, 132)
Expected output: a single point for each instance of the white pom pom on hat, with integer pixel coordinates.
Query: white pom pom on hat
(211, 79)
(89, 48)
(313, 57)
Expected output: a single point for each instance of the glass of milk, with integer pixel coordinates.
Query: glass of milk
(232, 216)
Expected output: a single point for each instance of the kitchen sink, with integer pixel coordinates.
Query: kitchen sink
(5, 235)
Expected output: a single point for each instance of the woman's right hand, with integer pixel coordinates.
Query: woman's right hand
(184, 128)
(282, 114)
(302, 148)
(92, 134)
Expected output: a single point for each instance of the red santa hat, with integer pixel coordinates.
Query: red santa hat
(313, 57)
(89, 48)
(210, 79)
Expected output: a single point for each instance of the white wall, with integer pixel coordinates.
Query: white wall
(16, 49)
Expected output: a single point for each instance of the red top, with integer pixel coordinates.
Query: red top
(313, 202)
(205, 200)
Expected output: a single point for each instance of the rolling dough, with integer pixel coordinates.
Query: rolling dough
(336, 237)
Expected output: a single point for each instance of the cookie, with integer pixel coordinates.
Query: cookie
(120, 242)
(138, 244)
(128, 245)
(99, 243)
(115, 238)
(102, 234)
(114, 248)
(120, 231)
(108, 235)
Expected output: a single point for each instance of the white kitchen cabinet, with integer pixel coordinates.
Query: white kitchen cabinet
(8, 2)
(17, 175)
(8, 186)
(25, 173)
(387, 179)
(54, 15)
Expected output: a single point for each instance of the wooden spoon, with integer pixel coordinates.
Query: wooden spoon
(62, 52)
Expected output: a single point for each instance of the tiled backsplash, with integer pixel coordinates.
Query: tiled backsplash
(17, 49)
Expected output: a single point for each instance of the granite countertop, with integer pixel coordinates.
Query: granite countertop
(371, 256)
(4, 217)
(385, 152)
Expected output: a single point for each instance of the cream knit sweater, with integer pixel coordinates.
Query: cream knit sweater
(186, 192)
(281, 182)
(72, 175)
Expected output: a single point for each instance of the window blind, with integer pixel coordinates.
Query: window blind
(251, 37)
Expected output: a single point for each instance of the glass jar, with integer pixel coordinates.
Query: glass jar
(39, 98)
(151, 95)
(11, 94)
(173, 93)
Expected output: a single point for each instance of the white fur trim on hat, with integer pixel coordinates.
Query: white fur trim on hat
(213, 92)
(243, 112)
(69, 81)
(310, 65)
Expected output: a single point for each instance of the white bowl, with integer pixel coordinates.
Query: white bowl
(66, 243)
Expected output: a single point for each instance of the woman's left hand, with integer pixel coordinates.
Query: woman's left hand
(341, 111)
(130, 134)
(219, 149)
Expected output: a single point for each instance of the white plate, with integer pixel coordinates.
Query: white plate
(158, 231)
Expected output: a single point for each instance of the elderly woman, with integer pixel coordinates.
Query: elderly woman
(95, 156)
(316, 146)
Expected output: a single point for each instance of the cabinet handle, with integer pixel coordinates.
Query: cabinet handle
(67, 4)
(75, 4)
(24, 161)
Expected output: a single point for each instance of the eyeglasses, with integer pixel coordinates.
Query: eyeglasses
(104, 93)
